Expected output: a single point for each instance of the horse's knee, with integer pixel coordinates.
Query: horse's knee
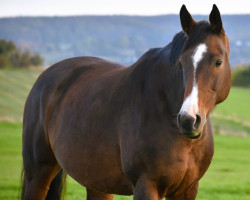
(145, 189)
(96, 195)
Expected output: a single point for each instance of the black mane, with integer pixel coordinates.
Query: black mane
(201, 31)
(176, 46)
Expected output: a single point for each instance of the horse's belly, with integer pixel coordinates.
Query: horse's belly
(92, 164)
(112, 181)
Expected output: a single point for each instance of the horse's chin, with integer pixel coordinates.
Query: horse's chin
(193, 135)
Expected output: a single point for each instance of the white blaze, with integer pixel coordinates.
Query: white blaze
(190, 104)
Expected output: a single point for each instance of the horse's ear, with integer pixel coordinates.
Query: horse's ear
(215, 20)
(187, 22)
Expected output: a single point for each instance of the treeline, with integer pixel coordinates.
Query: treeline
(241, 76)
(13, 57)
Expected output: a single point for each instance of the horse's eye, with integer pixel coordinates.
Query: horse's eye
(218, 63)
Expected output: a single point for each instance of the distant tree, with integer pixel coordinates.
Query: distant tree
(15, 58)
(11, 56)
(36, 60)
(4, 62)
(241, 76)
(25, 59)
(6, 47)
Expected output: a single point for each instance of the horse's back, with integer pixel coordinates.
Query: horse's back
(70, 69)
(61, 76)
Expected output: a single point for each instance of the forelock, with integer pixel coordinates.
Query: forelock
(198, 35)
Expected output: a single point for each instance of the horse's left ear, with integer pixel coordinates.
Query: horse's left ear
(215, 20)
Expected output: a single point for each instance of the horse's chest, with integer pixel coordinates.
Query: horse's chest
(181, 173)
(178, 176)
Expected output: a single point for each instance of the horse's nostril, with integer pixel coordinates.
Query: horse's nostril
(185, 122)
(178, 118)
(197, 121)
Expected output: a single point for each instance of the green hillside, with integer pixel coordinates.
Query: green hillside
(14, 88)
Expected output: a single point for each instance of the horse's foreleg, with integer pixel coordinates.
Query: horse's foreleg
(145, 189)
(95, 195)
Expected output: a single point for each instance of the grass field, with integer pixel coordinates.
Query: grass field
(237, 105)
(233, 115)
(227, 178)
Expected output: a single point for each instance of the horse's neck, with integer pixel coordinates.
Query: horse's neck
(157, 80)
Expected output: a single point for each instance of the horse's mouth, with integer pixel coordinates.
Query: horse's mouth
(193, 136)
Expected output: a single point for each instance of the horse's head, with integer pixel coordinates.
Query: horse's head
(206, 70)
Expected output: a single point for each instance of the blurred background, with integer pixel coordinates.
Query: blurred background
(36, 34)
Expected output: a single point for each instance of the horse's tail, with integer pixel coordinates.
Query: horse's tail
(23, 184)
(57, 187)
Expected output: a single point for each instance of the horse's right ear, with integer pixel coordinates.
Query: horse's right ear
(187, 22)
(215, 20)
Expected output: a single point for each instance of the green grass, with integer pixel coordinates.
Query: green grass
(227, 178)
(233, 115)
(10, 160)
(229, 174)
(236, 106)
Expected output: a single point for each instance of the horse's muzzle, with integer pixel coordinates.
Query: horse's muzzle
(189, 126)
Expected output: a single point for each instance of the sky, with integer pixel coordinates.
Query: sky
(13, 8)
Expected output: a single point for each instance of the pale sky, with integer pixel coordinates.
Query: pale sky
(11, 8)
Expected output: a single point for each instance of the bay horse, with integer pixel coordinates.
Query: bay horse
(142, 130)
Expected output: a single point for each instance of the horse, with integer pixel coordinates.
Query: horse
(141, 130)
